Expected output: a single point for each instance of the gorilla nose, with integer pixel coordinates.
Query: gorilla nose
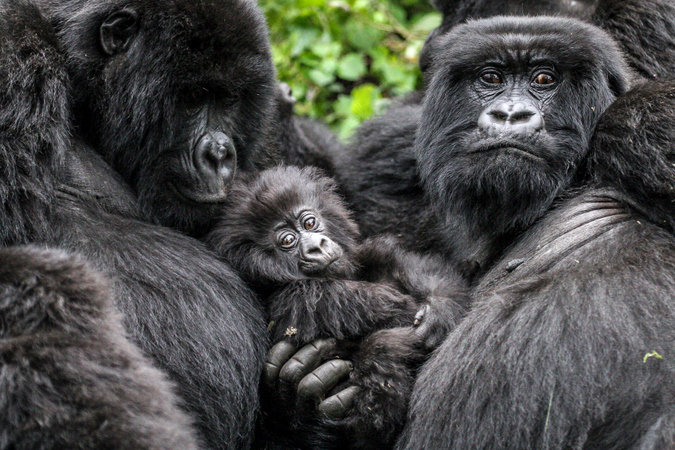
(513, 118)
(215, 156)
(314, 247)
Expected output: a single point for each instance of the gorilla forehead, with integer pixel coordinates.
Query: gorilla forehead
(570, 43)
(215, 38)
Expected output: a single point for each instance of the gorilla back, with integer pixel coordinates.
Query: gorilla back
(188, 311)
(69, 378)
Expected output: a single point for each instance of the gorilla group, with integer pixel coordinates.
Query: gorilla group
(129, 128)
(571, 245)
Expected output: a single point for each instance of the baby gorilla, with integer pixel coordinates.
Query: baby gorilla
(68, 376)
(291, 237)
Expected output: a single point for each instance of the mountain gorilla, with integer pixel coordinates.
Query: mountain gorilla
(185, 309)
(290, 236)
(62, 347)
(174, 95)
(378, 174)
(569, 342)
(507, 119)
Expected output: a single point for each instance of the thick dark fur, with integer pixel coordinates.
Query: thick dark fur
(569, 344)
(644, 29)
(188, 311)
(377, 174)
(465, 186)
(303, 141)
(69, 377)
(187, 69)
(371, 286)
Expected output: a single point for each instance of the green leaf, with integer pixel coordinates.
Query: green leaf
(351, 67)
(362, 37)
(363, 100)
(652, 355)
(321, 78)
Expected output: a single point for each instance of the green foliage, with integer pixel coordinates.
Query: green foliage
(651, 355)
(345, 58)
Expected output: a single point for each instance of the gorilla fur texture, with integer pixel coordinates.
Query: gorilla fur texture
(176, 96)
(68, 376)
(290, 236)
(185, 309)
(569, 341)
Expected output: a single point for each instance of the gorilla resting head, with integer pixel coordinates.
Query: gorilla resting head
(174, 94)
(507, 118)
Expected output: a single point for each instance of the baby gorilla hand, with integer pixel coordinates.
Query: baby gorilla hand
(435, 319)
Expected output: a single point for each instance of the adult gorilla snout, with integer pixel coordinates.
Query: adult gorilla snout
(515, 118)
(215, 158)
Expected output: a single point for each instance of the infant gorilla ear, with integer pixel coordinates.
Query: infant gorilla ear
(70, 378)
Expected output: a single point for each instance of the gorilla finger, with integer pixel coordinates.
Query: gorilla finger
(421, 314)
(278, 355)
(324, 378)
(339, 405)
(306, 360)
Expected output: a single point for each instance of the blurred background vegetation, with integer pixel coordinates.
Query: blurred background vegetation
(344, 59)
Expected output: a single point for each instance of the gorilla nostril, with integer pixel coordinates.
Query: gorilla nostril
(499, 116)
(521, 116)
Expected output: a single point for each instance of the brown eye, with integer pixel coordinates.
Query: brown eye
(491, 78)
(287, 240)
(544, 79)
(309, 223)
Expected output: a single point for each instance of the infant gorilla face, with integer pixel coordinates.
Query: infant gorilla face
(301, 236)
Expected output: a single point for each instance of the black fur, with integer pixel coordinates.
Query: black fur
(303, 141)
(358, 289)
(644, 29)
(187, 70)
(69, 377)
(185, 309)
(569, 342)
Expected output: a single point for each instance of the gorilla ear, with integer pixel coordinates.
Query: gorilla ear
(118, 31)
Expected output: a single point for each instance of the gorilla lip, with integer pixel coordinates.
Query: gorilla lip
(507, 147)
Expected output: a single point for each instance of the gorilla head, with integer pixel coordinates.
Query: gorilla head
(286, 224)
(508, 116)
(174, 94)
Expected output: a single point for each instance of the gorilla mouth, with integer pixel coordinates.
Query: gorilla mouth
(515, 148)
(318, 268)
(199, 197)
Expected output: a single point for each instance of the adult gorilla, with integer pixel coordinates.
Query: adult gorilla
(570, 340)
(378, 172)
(175, 95)
(185, 309)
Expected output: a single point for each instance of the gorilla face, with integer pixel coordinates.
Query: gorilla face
(286, 224)
(176, 95)
(508, 115)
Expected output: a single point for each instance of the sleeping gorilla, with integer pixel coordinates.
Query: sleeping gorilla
(507, 119)
(62, 347)
(184, 308)
(569, 342)
(291, 237)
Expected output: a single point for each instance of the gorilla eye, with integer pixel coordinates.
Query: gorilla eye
(287, 240)
(491, 77)
(309, 223)
(544, 79)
